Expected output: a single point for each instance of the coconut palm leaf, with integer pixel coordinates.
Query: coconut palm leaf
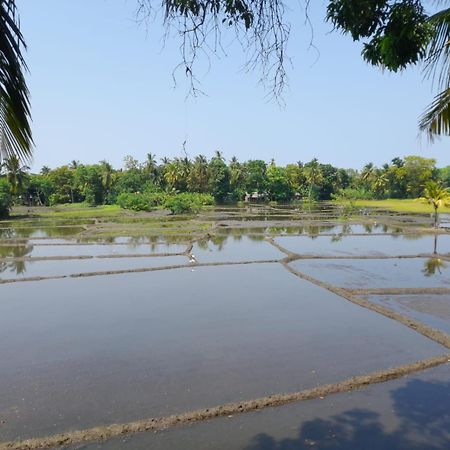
(437, 61)
(436, 119)
(15, 131)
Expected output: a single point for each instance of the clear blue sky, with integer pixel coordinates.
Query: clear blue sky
(102, 88)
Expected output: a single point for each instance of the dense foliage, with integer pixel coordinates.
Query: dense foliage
(15, 130)
(177, 203)
(185, 185)
(398, 33)
(5, 197)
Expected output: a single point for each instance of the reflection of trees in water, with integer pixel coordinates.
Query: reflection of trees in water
(14, 251)
(109, 240)
(18, 267)
(313, 231)
(422, 409)
(173, 238)
(45, 231)
(433, 266)
(256, 237)
(336, 238)
(410, 236)
(203, 244)
(7, 233)
(136, 241)
(276, 230)
(219, 241)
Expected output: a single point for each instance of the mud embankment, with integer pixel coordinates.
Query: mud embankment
(163, 423)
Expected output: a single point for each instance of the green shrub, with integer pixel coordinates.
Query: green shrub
(58, 199)
(176, 203)
(141, 201)
(134, 201)
(156, 199)
(5, 198)
(353, 194)
(188, 202)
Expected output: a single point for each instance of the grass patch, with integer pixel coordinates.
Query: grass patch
(71, 211)
(408, 205)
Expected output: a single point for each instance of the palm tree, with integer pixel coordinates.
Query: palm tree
(151, 160)
(235, 171)
(151, 166)
(436, 196)
(367, 172)
(174, 173)
(198, 175)
(436, 119)
(313, 175)
(15, 131)
(15, 173)
(218, 155)
(380, 183)
(106, 178)
(74, 164)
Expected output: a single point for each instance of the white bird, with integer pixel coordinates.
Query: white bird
(192, 259)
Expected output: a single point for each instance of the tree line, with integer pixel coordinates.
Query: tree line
(141, 183)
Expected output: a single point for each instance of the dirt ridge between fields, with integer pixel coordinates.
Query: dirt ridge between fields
(102, 433)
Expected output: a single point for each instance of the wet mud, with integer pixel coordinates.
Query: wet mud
(230, 409)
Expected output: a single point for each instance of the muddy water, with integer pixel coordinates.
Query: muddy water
(412, 413)
(39, 232)
(433, 310)
(379, 273)
(312, 230)
(40, 251)
(239, 248)
(366, 245)
(28, 269)
(108, 240)
(119, 348)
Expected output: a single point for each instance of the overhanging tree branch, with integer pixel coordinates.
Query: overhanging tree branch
(15, 130)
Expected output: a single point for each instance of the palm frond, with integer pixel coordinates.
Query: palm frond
(437, 61)
(436, 119)
(15, 130)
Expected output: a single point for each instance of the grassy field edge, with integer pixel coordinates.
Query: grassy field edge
(400, 205)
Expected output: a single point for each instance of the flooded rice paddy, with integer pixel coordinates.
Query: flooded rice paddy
(392, 245)
(12, 270)
(294, 332)
(40, 250)
(242, 248)
(431, 309)
(409, 414)
(379, 273)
